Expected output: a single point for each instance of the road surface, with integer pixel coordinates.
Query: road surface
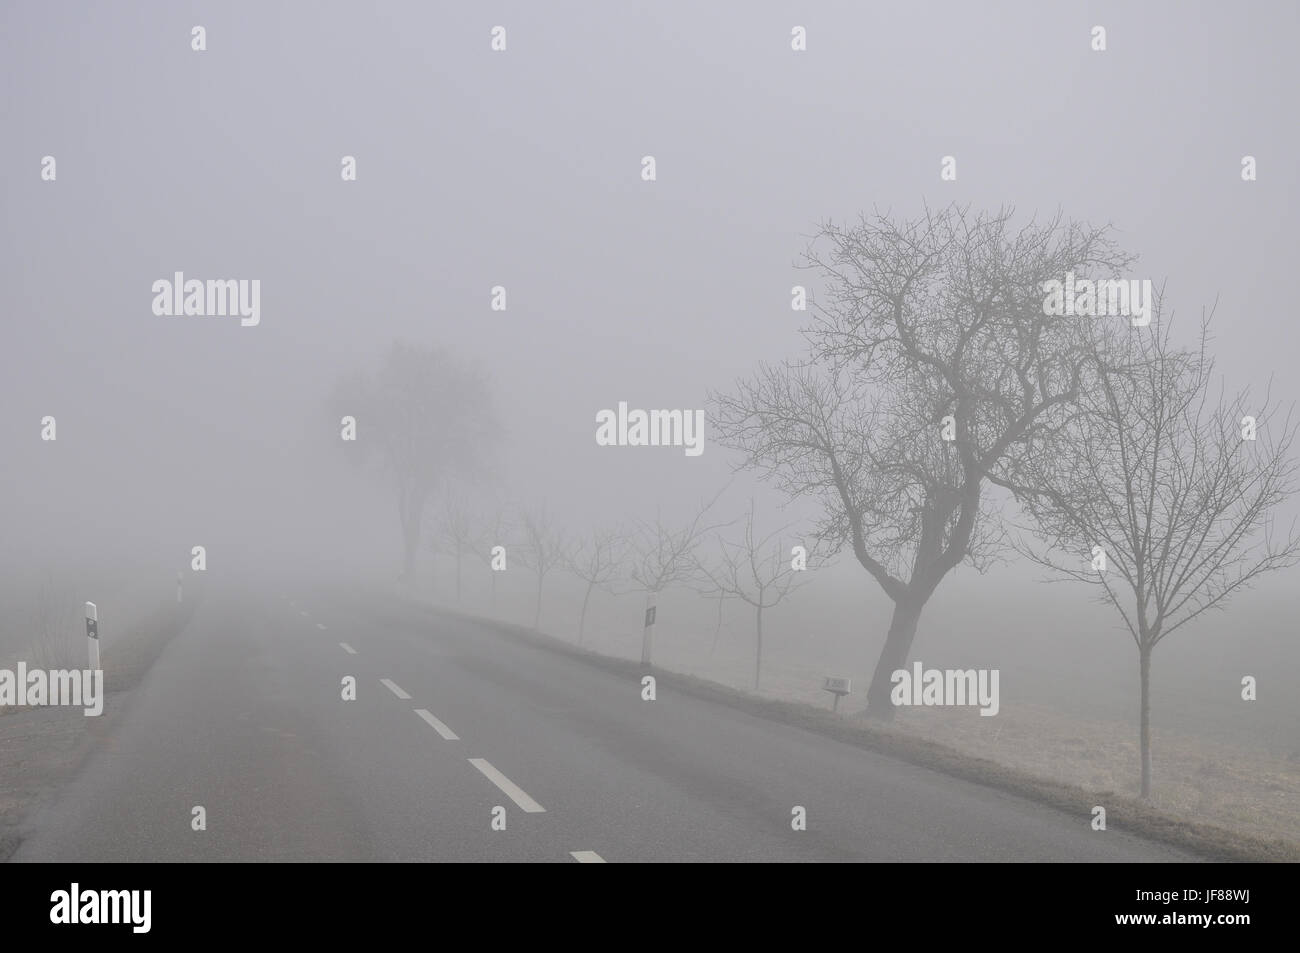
(242, 715)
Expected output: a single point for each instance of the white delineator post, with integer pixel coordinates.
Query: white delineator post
(180, 579)
(647, 637)
(92, 635)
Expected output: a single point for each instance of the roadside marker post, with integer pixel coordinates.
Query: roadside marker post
(839, 687)
(648, 634)
(92, 635)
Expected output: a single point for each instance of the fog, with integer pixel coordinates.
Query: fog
(522, 169)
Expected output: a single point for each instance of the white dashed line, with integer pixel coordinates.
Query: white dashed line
(319, 626)
(586, 857)
(508, 787)
(439, 727)
(392, 687)
(347, 648)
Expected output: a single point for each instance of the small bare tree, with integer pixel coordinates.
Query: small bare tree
(758, 571)
(1160, 493)
(664, 555)
(598, 560)
(496, 531)
(542, 551)
(458, 532)
(721, 599)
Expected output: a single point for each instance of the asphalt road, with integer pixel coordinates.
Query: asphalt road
(243, 716)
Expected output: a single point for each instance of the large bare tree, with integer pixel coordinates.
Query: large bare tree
(1156, 494)
(930, 364)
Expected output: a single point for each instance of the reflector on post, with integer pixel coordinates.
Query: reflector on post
(92, 635)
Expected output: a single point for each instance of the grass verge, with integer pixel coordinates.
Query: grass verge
(43, 748)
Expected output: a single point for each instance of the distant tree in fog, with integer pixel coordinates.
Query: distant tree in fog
(1157, 477)
(458, 532)
(428, 417)
(54, 621)
(543, 549)
(496, 532)
(930, 363)
(758, 571)
(597, 559)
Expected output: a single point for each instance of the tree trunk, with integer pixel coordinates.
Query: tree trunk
(758, 648)
(717, 629)
(582, 619)
(1144, 720)
(537, 616)
(898, 643)
(458, 558)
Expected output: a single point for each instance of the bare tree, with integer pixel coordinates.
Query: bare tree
(664, 555)
(457, 530)
(1157, 494)
(721, 598)
(598, 560)
(758, 571)
(930, 365)
(429, 417)
(543, 550)
(495, 533)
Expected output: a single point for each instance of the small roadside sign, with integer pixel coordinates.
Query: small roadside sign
(839, 686)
